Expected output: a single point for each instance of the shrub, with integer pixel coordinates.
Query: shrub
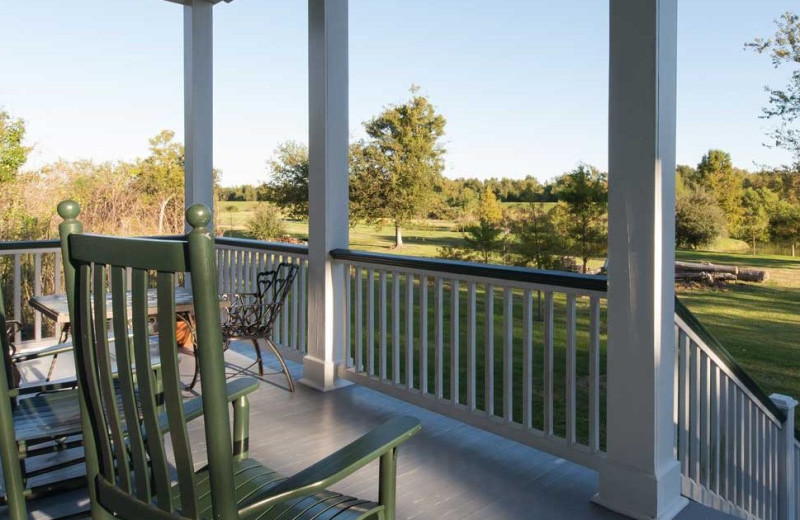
(266, 223)
(698, 219)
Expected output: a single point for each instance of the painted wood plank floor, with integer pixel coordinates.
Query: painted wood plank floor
(449, 471)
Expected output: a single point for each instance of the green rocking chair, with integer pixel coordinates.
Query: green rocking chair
(135, 478)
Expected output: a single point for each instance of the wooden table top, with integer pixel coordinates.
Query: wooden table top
(55, 306)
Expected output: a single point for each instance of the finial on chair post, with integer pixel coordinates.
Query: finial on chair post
(198, 216)
(68, 209)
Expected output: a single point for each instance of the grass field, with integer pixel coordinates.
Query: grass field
(758, 323)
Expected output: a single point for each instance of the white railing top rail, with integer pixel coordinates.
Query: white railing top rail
(295, 250)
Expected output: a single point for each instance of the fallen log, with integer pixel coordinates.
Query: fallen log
(753, 275)
(704, 277)
(735, 272)
(706, 267)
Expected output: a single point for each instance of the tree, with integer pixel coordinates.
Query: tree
(716, 174)
(583, 193)
(784, 224)
(12, 153)
(534, 238)
(698, 219)
(484, 239)
(288, 186)
(784, 104)
(161, 177)
(755, 220)
(395, 171)
(489, 208)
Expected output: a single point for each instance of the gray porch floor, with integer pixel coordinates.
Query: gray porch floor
(449, 471)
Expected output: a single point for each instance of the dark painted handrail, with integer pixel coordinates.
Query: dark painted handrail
(224, 241)
(30, 244)
(501, 272)
(726, 358)
(280, 247)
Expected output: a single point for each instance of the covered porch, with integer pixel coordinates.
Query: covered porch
(541, 394)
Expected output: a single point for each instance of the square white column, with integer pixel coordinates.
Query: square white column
(198, 60)
(641, 476)
(328, 226)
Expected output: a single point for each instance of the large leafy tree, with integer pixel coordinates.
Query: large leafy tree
(288, 185)
(582, 212)
(783, 106)
(13, 153)
(715, 174)
(160, 176)
(394, 172)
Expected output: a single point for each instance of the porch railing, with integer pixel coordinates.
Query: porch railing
(729, 431)
(514, 351)
(34, 268)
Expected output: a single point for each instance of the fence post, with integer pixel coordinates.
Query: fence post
(786, 472)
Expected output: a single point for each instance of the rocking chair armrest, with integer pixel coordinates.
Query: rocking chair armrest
(41, 352)
(193, 408)
(54, 386)
(342, 463)
(12, 327)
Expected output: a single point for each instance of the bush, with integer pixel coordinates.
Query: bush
(698, 219)
(266, 223)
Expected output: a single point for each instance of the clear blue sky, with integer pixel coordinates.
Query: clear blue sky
(523, 83)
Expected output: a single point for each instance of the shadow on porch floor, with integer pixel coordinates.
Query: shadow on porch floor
(449, 471)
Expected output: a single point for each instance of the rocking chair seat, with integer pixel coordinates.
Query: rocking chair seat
(254, 480)
(46, 416)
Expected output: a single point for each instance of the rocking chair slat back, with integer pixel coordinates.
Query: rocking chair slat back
(134, 431)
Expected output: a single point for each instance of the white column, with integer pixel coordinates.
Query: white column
(328, 188)
(198, 102)
(641, 477)
(787, 485)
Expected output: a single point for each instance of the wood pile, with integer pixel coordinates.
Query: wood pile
(712, 274)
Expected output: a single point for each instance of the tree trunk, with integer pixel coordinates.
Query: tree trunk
(585, 264)
(398, 236)
(793, 244)
(754, 246)
(161, 214)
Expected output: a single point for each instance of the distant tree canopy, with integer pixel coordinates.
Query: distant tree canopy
(160, 176)
(13, 153)
(716, 175)
(395, 171)
(582, 212)
(288, 184)
(535, 240)
(783, 106)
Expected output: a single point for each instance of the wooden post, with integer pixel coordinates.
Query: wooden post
(640, 477)
(787, 484)
(198, 103)
(328, 189)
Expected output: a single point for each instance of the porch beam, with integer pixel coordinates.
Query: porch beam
(198, 61)
(328, 189)
(641, 476)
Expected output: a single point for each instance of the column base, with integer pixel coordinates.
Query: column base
(321, 376)
(643, 496)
